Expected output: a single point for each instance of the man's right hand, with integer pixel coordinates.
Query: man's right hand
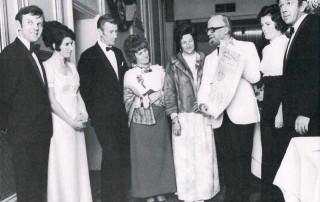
(302, 124)
(204, 109)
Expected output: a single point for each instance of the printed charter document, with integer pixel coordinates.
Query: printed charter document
(225, 81)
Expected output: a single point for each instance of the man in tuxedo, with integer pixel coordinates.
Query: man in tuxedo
(235, 125)
(25, 113)
(101, 69)
(300, 99)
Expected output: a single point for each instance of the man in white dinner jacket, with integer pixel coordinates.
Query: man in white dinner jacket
(234, 125)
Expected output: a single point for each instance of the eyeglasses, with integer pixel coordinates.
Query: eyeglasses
(213, 29)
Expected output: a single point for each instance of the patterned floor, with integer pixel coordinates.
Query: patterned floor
(95, 186)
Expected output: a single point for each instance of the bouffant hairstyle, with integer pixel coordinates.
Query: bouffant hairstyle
(54, 32)
(106, 18)
(133, 44)
(274, 12)
(32, 10)
(181, 30)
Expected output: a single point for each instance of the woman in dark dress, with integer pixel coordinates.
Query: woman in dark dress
(274, 143)
(151, 152)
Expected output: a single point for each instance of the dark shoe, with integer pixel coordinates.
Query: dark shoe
(151, 199)
(161, 198)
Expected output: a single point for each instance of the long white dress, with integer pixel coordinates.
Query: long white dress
(194, 151)
(68, 173)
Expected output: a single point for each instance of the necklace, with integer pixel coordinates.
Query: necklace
(145, 69)
(189, 54)
(60, 61)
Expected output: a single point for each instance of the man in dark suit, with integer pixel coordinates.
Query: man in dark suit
(101, 69)
(301, 70)
(25, 112)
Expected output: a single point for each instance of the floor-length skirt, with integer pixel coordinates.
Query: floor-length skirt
(195, 159)
(68, 173)
(151, 157)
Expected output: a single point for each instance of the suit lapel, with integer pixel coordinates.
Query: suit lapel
(296, 36)
(33, 62)
(106, 62)
(120, 63)
(44, 76)
(35, 67)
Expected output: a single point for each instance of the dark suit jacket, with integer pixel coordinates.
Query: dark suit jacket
(103, 94)
(24, 104)
(301, 74)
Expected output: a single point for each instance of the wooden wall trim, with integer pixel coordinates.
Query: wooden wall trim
(4, 34)
(12, 198)
(84, 9)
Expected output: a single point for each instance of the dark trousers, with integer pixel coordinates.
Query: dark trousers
(115, 168)
(274, 145)
(234, 147)
(30, 164)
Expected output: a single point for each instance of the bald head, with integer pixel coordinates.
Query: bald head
(221, 20)
(219, 28)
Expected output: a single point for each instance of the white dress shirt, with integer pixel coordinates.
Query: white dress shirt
(110, 55)
(27, 44)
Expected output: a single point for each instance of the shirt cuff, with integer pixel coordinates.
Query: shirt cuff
(173, 115)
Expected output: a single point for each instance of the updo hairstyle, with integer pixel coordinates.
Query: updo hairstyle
(54, 32)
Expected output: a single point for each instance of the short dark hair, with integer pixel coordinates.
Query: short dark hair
(32, 10)
(274, 12)
(133, 44)
(106, 18)
(181, 30)
(54, 32)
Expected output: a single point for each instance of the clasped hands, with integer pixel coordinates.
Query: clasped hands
(80, 122)
(150, 97)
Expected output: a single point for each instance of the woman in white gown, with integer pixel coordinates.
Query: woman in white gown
(68, 174)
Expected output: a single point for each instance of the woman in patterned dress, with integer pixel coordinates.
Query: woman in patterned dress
(193, 141)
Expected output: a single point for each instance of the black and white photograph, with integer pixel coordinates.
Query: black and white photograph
(159, 101)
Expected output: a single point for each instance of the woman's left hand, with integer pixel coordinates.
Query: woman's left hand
(176, 128)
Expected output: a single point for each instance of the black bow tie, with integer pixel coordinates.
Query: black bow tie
(290, 32)
(34, 47)
(108, 48)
